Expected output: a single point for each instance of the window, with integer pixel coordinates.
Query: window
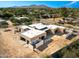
(43, 28)
(27, 42)
(43, 37)
(23, 39)
(26, 29)
(35, 42)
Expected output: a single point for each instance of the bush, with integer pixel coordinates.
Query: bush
(3, 24)
(71, 51)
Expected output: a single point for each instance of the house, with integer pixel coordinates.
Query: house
(19, 18)
(1, 20)
(38, 34)
(34, 38)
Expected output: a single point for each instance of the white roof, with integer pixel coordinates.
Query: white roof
(54, 26)
(21, 18)
(61, 27)
(1, 20)
(38, 26)
(32, 33)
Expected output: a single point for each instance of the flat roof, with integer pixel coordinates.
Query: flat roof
(54, 26)
(1, 20)
(38, 26)
(32, 33)
(21, 18)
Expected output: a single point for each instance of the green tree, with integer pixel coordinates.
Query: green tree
(64, 12)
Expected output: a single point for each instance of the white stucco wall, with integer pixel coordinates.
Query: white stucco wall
(39, 44)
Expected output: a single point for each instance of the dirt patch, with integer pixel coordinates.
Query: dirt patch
(9, 47)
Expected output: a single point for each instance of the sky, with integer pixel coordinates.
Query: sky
(53, 4)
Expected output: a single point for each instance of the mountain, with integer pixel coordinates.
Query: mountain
(32, 6)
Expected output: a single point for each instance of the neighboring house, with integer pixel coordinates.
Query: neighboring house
(1, 20)
(19, 18)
